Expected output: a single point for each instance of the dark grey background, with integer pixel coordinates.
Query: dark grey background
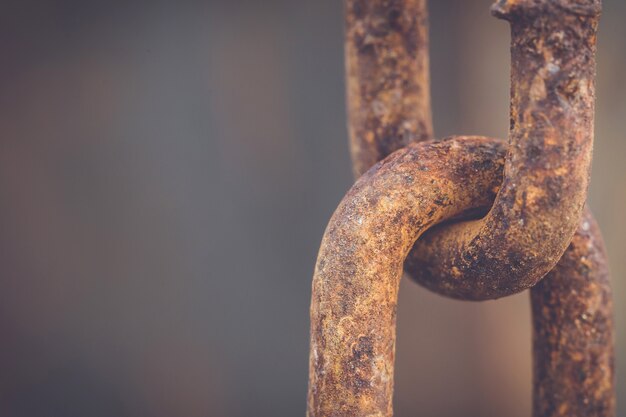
(167, 169)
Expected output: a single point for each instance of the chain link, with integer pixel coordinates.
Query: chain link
(534, 189)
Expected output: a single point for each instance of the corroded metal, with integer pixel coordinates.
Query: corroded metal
(552, 108)
(573, 366)
(535, 213)
(359, 266)
(537, 210)
(387, 77)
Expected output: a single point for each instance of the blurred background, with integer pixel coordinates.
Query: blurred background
(166, 173)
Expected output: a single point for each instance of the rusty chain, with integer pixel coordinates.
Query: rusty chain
(532, 191)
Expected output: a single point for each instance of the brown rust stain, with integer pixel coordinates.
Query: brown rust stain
(573, 365)
(359, 267)
(387, 77)
(546, 174)
(528, 228)
(552, 82)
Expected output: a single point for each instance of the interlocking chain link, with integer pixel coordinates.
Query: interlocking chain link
(534, 189)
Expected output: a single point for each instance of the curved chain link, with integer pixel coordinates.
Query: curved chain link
(535, 209)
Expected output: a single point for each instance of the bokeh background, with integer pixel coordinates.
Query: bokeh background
(167, 169)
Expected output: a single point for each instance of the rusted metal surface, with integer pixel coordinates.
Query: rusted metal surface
(538, 204)
(537, 210)
(359, 266)
(573, 332)
(387, 77)
(552, 108)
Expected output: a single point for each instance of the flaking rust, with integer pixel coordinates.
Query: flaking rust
(537, 210)
(359, 266)
(387, 77)
(535, 198)
(572, 308)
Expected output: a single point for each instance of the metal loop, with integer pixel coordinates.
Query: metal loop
(356, 280)
(541, 197)
(540, 202)
(359, 266)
